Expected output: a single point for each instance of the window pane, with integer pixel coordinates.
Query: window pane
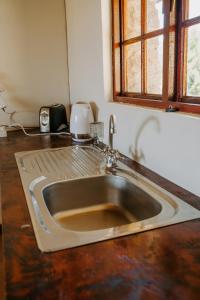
(133, 68)
(116, 21)
(193, 61)
(173, 14)
(155, 17)
(172, 40)
(132, 18)
(194, 8)
(154, 65)
(117, 70)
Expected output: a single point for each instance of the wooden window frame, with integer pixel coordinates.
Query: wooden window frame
(183, 103)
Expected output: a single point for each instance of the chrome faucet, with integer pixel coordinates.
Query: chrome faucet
(111, 155)
(112, 130)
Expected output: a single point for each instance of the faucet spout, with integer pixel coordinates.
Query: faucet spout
(111, 155)
(112, 130)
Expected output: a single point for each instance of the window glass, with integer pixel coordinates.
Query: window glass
(173, 14)
(172, 41)
(133, 68)
(116, 21)
(155, 17)
(154, 65)
(194, 8)
(132, 18)
(117, 70)
(193, 61)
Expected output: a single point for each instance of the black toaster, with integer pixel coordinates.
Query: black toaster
(52, 118)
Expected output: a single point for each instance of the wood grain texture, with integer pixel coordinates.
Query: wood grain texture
(158, 264)
(1, 269)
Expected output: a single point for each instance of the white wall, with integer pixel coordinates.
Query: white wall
(85, 49)
(33, 56)
(167, 143)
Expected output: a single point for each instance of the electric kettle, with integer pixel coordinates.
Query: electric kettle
(81, 117)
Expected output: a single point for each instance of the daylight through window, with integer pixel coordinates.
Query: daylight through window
(156, 53)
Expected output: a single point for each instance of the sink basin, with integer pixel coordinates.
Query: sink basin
(73, 201)
(98, 203)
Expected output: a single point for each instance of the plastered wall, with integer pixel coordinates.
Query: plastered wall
(33, 57)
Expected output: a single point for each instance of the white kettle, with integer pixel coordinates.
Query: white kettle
(81, 117)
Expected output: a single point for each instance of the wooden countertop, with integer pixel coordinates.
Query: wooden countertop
(158, 264)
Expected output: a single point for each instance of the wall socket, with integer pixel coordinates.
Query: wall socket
(3, 132)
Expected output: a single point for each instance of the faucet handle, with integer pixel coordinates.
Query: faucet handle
(106, 150)
(112, 152)
(116, 154)
(111, 156)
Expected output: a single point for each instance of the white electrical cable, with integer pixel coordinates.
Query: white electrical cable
(17, 125)
(37, 134)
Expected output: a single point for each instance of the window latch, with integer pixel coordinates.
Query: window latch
(171, 108)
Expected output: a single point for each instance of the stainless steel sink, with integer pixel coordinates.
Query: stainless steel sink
(98, 203)
(73, 201)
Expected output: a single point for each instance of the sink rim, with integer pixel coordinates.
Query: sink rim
(50, 238)
(164, 218)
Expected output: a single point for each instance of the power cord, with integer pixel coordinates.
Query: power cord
(17, 125)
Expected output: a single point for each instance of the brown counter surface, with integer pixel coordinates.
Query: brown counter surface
(158, 264)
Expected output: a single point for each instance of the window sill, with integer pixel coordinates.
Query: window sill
(159, 104)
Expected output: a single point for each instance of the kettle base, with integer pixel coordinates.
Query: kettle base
(81, 138)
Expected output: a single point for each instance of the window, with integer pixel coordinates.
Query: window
(156, 53)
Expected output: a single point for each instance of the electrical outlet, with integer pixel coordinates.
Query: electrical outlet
(3, 132)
